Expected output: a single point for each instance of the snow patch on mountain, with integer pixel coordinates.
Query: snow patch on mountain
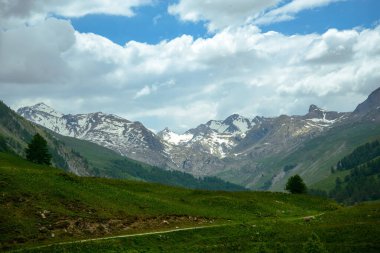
(217, 126)
(174, 138)
(123, 136)
(41, 107)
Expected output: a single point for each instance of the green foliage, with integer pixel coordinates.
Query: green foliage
(175, 178)
(316, 156)
(314, 245)
(296, 185)
(37, 151)
(360, 155)
(362, 184)
(345, 230)
(363, 181)
(318, 192)
(3, 144)
(28, 189)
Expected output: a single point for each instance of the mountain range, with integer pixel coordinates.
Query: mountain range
(258, 152)
(89, 159)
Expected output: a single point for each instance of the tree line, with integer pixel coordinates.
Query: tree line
(363, 181)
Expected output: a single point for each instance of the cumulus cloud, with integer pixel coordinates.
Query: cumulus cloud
(185, 81)
(14, 12)
(219, 14)
(288, 11)
(34, 54)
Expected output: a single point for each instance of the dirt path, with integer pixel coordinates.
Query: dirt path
(125, 236)
(153, 233)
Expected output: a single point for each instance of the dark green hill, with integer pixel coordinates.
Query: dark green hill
(69, 208)
(363, 181)
(314, 158)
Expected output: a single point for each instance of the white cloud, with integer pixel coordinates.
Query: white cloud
(219, 14)
(146, 91)
(187, 81)
(16, 12)
(288, 11)
(34, 54)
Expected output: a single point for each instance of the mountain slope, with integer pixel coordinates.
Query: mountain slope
(68, 206)
(68, 209)
(357, 176)
(16, 132)
(372, 103)
(88, 159)
(249, 152)
(128, 138)
(107, 163)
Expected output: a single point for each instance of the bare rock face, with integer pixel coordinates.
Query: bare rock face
(128, 138)
(216, 147)
(207, 149)
(371, 103)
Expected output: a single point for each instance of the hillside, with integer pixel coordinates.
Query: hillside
(88, 159)
(69, 207)
(107, 163)
(16, 132)
(314, 158)
(255, 152)
(362, 183)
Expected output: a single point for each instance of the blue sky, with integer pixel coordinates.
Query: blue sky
(152, 24)
(181, 63)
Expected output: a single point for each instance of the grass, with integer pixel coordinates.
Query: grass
(354, 229)
(315, 157)
(41, 205)
(329, 182)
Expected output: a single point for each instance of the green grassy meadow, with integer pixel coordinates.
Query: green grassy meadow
(43, 205)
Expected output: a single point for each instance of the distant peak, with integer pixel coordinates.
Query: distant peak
(232, 118)
(371, 103)
(314, 108)
(166, 130)
(42, 107)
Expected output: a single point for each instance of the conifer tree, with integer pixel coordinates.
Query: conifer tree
(37, 151)
(296, 185)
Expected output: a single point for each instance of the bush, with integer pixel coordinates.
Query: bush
(296, 185)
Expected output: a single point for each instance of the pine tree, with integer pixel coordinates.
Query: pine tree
(296, 185)
(314, 245)
(37, 151)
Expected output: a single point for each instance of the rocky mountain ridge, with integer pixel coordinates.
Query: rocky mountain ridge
(213, 148)
(128, 138)
(214, 140)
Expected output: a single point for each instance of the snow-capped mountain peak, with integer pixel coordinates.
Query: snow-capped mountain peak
(174, 138)
(234, 124)
(121, 135)
(42, 108)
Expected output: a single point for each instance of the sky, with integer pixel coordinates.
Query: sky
(180, 63)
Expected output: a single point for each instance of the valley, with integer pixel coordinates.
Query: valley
(67, 209)
(96, 198)
(190, 126)
(248, 152)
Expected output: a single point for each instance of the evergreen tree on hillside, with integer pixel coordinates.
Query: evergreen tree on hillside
(314, 245)
(296, 185)
(37, 151)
